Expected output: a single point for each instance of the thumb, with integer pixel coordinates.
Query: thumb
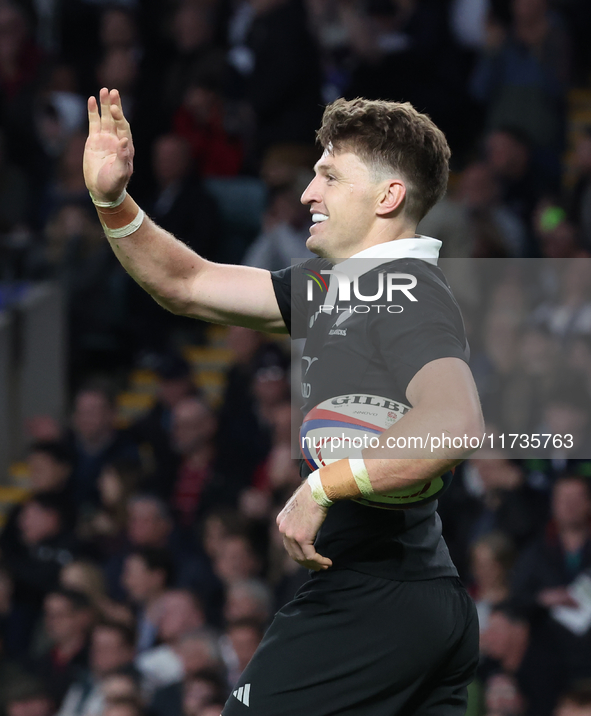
(311, 554)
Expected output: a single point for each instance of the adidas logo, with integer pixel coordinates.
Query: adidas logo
(243, 694)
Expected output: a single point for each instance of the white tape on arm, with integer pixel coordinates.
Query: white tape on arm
(109, 204)
(124, 231)
(318, 493)
(361, 476)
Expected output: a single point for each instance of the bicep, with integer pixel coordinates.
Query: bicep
(447, 384)
(235, 295)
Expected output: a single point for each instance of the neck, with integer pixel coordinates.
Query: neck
(383, 233)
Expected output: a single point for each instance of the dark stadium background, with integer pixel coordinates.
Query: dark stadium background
(143, 456)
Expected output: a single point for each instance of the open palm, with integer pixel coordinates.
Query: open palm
(108, 155)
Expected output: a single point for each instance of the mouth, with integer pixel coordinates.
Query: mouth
(317, 219)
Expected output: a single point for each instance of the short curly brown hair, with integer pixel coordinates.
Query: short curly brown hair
(391, 136)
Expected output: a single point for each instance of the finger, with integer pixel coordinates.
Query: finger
(294, 550)
(312, 555)
(94, 119)
(121, 124)
(107, 123)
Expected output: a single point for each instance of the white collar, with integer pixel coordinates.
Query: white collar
(419, 247)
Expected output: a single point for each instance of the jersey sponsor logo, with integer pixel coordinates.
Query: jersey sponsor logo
(243, 694)
(337, 332)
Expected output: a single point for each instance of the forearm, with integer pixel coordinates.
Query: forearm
(161, 264)
(416, 449)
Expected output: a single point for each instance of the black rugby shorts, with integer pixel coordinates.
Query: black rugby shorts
(358, 645)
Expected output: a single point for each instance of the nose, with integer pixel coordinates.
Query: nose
(311, 193)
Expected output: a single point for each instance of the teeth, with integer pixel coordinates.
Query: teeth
(319, 217)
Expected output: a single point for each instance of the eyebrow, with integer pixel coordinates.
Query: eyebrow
(325, 168)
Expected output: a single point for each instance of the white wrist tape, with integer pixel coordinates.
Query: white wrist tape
(361, 476)
(108, 204)
(318, 493)
(125, 230)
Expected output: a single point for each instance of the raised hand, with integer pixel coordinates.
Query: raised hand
(108, 155)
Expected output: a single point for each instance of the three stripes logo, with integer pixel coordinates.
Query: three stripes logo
(243, 694)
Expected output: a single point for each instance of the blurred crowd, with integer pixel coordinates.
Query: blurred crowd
(141, 568)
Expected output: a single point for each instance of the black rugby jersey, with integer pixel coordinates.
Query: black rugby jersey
(375, 346)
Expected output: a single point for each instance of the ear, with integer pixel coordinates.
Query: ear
(392, 197)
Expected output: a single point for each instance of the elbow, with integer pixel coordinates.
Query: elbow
(173, 304)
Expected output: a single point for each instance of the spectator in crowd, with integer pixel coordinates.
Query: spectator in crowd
(69, 186)
(258, 386)
(276, 66)
(552, 562)
(475, 222)
(189, 696)
(43, 547)
(193, 431)
(492, 558)
(118, 29)
(19, 70)
(122, 707)
(569, 313)
(150, 524)
(28, 697)
(67, 619)
(509, 154)
(121, 684)
(180, 203)
(178, 614)
(111, 648)
(526, 669)
(566, 413)
(489, 495)
(146, 574)
(104, 527)
(94, 440)
(152, 431)
(50, 467)
(201, 689)
(87, 577)
(202, 123)
(236, 560)
(576, 701)
(242, 639)
(285, 232)
(194, 53)
(248, 599)
(523, 76)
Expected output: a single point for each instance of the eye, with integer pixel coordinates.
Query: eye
(329, 177)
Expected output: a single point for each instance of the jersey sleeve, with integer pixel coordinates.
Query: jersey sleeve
(290, 292)
(426, 330)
